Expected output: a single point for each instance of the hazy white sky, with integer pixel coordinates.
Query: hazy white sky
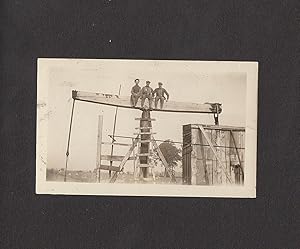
(185, 81)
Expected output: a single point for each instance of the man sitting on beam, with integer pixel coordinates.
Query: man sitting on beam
(135, 93)
(147, 93)
(160, 95)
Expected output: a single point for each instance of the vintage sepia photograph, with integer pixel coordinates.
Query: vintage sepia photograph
(146, 127)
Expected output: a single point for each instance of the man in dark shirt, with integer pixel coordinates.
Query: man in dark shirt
(147, 93)
(160, 95)
(135, 93)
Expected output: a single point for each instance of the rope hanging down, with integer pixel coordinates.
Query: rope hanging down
(69, 137)
(113, 138)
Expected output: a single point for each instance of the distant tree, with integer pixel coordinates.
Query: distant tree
(171, 153)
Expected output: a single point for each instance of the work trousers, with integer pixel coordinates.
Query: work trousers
(161, 99)
(149, 97)
(134, 99)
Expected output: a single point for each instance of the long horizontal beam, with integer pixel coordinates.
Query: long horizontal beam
(124, 102)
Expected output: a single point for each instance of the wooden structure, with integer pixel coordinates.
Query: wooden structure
(213, 154)
(145, 143)
(144, 139)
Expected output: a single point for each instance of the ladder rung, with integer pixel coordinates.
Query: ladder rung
(145, 119)
(114, 158)
(144, 133)
(120, 144)
(142, 128)
(143, 165)
(144, 154)
(144, 141)
(108, 167)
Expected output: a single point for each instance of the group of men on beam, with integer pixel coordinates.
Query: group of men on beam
(147, 92)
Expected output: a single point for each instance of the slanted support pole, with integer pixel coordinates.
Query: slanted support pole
(215, 152)
(164, 161)
(68, 145)
(121, 166)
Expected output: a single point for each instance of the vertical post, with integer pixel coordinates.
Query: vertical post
(227, 152)
(113, 135)
(134, 162)
(99, 146)
(69, 137)
(238, 155)
(202, 162)
(218, 151)
(222, 156)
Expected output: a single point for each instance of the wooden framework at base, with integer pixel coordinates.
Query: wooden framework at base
(145, 133)
(143, 141)
(213, 155)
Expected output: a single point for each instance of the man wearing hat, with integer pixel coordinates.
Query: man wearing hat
(147, 93)
(135, 93)
(160, 95)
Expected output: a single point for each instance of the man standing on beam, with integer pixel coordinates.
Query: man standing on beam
(160, 95)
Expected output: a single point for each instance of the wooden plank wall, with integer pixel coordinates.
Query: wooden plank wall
(205, 169)
(186, 155)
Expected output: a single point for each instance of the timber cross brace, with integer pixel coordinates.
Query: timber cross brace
(145, 135)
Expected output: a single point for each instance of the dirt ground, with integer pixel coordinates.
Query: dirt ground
(88, 176)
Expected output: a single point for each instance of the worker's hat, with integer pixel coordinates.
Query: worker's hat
(148, 82)
(136, 80)
(159, 83)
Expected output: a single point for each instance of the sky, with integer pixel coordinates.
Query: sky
(185, 81)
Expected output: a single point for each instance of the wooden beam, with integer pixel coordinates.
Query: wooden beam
(124, 102)
(145, 141)
(114, 158)
(119, 144)
(144, 133)
(203, 159)
(238, 154)
(143, 165)
(108, 167)
(219, 127)
(143, 154)
(145, 119)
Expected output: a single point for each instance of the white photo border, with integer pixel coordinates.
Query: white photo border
(248, 190)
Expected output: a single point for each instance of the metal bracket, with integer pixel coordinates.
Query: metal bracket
(74, 94)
